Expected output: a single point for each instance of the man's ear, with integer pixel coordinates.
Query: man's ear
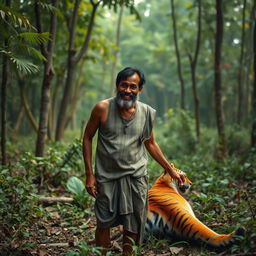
(140, 88)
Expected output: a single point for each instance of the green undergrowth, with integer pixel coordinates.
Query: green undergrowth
(222, 193)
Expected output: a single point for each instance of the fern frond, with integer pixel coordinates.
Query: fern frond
(72, 155)
(34, 38)
(14, 17)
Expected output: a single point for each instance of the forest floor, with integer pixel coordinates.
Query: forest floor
(49, 237)
(65, 229)
(223, 196)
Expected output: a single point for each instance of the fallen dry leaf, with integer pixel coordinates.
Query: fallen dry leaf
(175, 250)
(42, 252)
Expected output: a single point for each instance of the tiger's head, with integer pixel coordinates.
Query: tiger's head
(166, 180)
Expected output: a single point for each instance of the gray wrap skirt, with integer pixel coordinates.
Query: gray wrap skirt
(123, 202)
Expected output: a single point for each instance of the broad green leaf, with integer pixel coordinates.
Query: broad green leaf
(75, 186)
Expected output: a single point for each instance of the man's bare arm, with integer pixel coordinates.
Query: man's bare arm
(155, 151)
(90, 130)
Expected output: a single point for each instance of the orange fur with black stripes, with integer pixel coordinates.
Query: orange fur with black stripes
(170, 214)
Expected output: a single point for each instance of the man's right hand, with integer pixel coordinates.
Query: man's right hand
(91, 185)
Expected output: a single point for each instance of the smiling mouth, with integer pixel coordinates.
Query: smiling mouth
(126, 97)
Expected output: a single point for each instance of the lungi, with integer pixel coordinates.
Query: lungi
(123, 202)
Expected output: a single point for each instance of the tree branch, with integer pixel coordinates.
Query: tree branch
(198, 32)
(39, 27)
(88, 34)
(72, 27)
(51, 42)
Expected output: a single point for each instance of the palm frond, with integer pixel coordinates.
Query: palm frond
(24, 66)
(33, 38)
(37, 54)
(14, 17)
(24, 48)
(51, 8)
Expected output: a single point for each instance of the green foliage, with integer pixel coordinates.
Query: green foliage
(57, 165)
(175, 133)
(33, 38)
(73, 156)
(219, 196)
(238, 140)
(84, 250)
(24, 66)
(17, 205)
(14, 17)
(76, 186)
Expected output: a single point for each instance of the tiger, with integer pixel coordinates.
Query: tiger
(170, 215)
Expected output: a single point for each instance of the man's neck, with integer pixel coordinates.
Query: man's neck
(127, 113)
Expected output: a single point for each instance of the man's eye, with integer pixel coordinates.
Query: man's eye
(133, 87)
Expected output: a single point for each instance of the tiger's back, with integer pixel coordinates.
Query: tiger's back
(170, 214)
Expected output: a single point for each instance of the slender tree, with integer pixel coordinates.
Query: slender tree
(24, 101)
(193, 65)
(72, 62)
(253, 134)
(240, 94)
(47, 78)
(117, 50)
(217, 79)
(13, 39)
(248, 59)
(76, 94)
(18, 121)
(5, 72)
(182, 87)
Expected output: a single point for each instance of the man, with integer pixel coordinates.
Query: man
(120, 182)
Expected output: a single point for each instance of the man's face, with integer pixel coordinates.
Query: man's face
(128, 90)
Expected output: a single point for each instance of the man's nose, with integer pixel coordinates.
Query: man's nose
(128, 89)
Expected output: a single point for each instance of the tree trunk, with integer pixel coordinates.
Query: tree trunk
(248, 61)
(240, 71)
(25, 104)
(76, 95)
(193, 65)
(48, 75)
(71, 65)
(116, 52)
(195, 95)
(182, 87)
(217, 80)
(18, 121)
(5, 72)
(55, 100)
(253, 135)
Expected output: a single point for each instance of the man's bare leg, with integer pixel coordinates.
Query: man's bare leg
(129, 239)
(102, 237)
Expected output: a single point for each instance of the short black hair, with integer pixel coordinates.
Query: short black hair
(129, 71)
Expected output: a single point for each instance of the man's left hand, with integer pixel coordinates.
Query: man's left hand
(180, 177)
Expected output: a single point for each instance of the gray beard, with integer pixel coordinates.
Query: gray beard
(126, 103)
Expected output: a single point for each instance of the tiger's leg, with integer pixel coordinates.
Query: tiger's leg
(102, 237)
(128, 241)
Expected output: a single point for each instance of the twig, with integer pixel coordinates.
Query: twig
(52, 200)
